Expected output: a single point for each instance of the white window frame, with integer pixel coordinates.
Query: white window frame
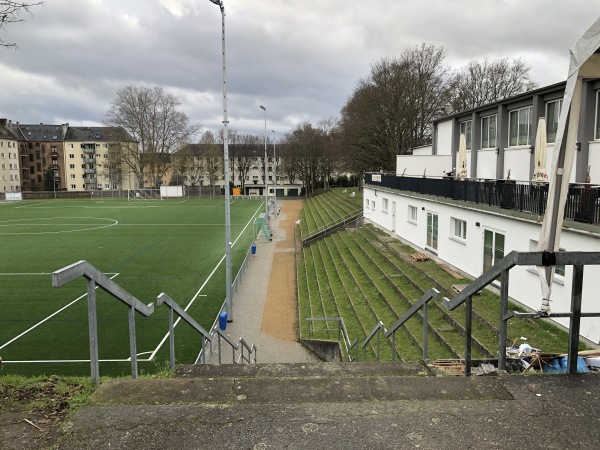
(458, 230)
(597, 119)
(551, 138)
(372, 205)
(466, 128)
(412, 214)
(521, 139)
(384, 205)
(485, 131)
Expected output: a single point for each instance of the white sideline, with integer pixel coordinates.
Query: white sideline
(47, 318)
(166, 336)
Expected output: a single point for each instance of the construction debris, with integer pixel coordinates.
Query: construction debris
(420, 257)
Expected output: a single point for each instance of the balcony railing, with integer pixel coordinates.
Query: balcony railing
(582, 204)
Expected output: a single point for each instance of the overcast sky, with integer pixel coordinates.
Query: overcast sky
(301, 59)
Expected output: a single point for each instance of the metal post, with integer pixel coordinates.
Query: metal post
(393, 346)
(171, 339)
(274, 172)
(575, 320)
(229, 309)
(132, 343)
(378, 340)
(266, 182)
(503, 325)
(425, 331)
(219, 348)
(468, 331)
(93, 331)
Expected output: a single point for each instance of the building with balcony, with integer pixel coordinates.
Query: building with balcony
(472, 223)
(10, 176)
(92, 162)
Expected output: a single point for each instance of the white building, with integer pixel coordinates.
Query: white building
(9, 160)
(473, 223)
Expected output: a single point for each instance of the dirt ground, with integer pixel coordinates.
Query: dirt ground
(280, 315)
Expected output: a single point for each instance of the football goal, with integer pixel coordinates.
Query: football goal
(143, 194)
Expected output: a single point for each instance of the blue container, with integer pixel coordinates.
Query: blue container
(254, 249)
(223, 320)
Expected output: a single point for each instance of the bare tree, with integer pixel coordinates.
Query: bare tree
(247, 153)
(213, 159)
(11, 12)
(391, 111)
(482, 82)
(153, 118)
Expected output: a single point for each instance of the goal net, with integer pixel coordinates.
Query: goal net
(143, 194)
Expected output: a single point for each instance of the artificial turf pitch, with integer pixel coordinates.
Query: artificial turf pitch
(175, 246)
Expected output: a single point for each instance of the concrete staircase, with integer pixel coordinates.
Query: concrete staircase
(337, 405)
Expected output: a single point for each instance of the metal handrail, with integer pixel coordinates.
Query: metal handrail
(501, 269)
(349, 217)
(97, 278)
(232, 344)
(174, 307)
(342, 334)
(421, 303)
(251, 351)
(376, 332)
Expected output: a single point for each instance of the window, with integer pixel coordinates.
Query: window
(432, 230)
(73, 186)
(493, 248)
(412, 214)
(384, 205)
(559, 271)
(1, 155)
(71, 156)
(72, 176)
(458, 228)
(71, 146)
(465, 128)
(552, 113)
(519, 125)
(488, 131)
(597, 133)
(71, 166)
(373, 205)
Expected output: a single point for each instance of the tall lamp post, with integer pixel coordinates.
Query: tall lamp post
(274, 171)
(266, 180)
(219, 3)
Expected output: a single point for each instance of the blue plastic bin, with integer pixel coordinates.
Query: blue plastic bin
(254, 249)
(223, 320)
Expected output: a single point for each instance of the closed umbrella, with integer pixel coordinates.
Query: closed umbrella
(461, 163)
(539, 172)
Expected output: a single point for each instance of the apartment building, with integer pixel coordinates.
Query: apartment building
(91, 159)
(10, 180)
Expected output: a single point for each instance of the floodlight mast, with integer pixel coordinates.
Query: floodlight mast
(228, 307)
(274, 171)
(266, 180)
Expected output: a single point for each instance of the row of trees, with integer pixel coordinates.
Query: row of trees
(389, 113)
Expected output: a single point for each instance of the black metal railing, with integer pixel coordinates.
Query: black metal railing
(582, 203)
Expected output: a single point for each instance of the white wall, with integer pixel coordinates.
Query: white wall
(444, 138)
(517, 160)
(414, 165)
(425, 150)
(467, 255)
(594, 162)
(486, 164)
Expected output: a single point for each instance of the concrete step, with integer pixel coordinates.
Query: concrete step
(334, 406)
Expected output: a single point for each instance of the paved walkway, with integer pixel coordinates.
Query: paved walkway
(249, 303)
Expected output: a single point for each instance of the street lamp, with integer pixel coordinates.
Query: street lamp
(266, 180)
(229, 310)
(274, 170)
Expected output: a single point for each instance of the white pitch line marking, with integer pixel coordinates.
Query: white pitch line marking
(46, 319)
(160, 344)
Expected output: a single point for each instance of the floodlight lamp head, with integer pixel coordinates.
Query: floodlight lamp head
(262, 107)
(217, 2)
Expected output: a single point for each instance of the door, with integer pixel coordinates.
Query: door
(493, 248)
(393, 216)
(432, 230)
